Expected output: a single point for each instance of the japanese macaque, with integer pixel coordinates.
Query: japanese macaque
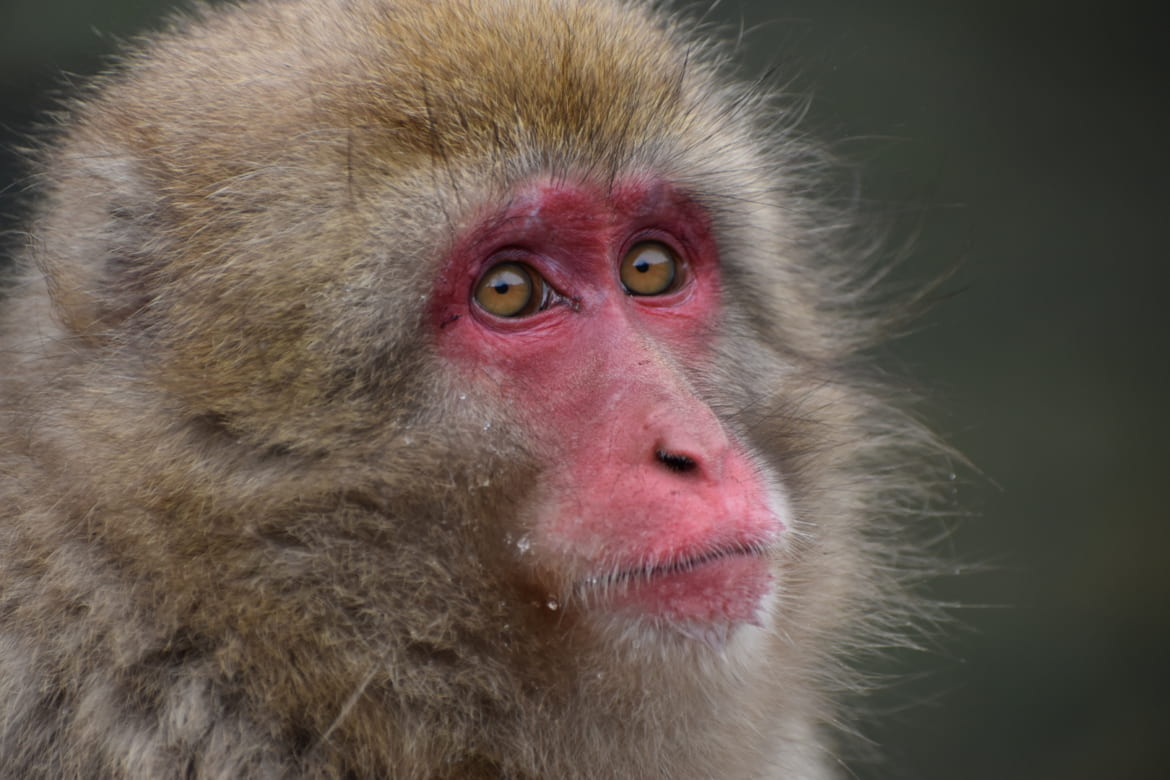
(436, 389)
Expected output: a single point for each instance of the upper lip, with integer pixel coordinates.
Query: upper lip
(673, 565)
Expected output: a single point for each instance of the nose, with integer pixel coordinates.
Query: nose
(676, 461)
(677, 436)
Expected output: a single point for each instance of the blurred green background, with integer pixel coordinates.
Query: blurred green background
(1025, 144)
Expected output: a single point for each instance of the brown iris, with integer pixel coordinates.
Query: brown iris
(649, 268)
(511, 290)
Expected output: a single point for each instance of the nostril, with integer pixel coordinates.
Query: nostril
(680, 464)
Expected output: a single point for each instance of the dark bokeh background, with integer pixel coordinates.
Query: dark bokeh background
(1027, 144)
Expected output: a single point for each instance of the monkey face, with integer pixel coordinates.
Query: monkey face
(586, 308)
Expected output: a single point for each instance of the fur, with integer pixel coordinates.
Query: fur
(250, 524)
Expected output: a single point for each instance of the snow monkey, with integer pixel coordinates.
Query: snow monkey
(436, 389)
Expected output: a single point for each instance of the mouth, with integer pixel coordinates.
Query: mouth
(682, 564)
(722, 585)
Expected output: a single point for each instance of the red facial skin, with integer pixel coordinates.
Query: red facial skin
(600, 375)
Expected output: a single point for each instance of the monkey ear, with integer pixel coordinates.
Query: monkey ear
(98, 239)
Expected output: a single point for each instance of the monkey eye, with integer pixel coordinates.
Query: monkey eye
(649, 268)
(512, 290)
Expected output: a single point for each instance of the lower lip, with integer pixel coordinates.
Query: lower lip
(724, 590)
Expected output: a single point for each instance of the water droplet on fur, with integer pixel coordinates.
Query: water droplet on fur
(524, 545)
(553, 604)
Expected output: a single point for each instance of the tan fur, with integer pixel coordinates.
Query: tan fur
(251, 525)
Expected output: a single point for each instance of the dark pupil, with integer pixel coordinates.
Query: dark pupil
(642, 266)
(501, 287)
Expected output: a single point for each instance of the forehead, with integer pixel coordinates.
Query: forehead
(561, 81)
